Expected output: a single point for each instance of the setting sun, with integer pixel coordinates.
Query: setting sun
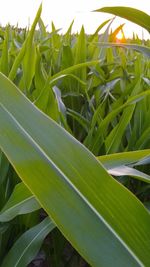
(120, 36)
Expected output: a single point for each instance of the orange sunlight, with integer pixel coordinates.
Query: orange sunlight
(120, 36)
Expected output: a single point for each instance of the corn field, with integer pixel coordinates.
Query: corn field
(75, 146)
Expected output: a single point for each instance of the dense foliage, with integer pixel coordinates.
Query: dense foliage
(98, 91)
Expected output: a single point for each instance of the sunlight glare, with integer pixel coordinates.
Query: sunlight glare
(120, 36)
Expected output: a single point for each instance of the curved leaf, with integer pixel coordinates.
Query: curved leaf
(129, 13)
(91, 209)
(120, 164)
(139, 48)
(27, 246)
(20, 202)
(127, 171)
(125, 158)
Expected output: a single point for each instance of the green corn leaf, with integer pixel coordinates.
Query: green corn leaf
(27, 44)
(42, 29)
(127, 171)
(46, 93)
(4, 66)
(144, 139)
(74, 68)
(40, 75)
(97, 142)
(80, 54)
(113, 140)
(27, 246)
(53, 81)
(79, 118)
(4, 166)
(139, 48)
(67, 35)
(20, 202)
(104, 38)
(92, 37)
(132, 14)
(120, 164)
(29, 59)
(125, 158)
(72, 186)
(4, 236)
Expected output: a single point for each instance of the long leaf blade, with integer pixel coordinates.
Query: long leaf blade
(125, 158)
(64, 187)
(145, 50)
(28, 245)
(134, 15)
(20, 202)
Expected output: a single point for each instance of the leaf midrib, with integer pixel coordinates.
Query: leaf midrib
(41, 151)
(43, 229)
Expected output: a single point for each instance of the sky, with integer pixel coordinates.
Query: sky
(62, 12)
